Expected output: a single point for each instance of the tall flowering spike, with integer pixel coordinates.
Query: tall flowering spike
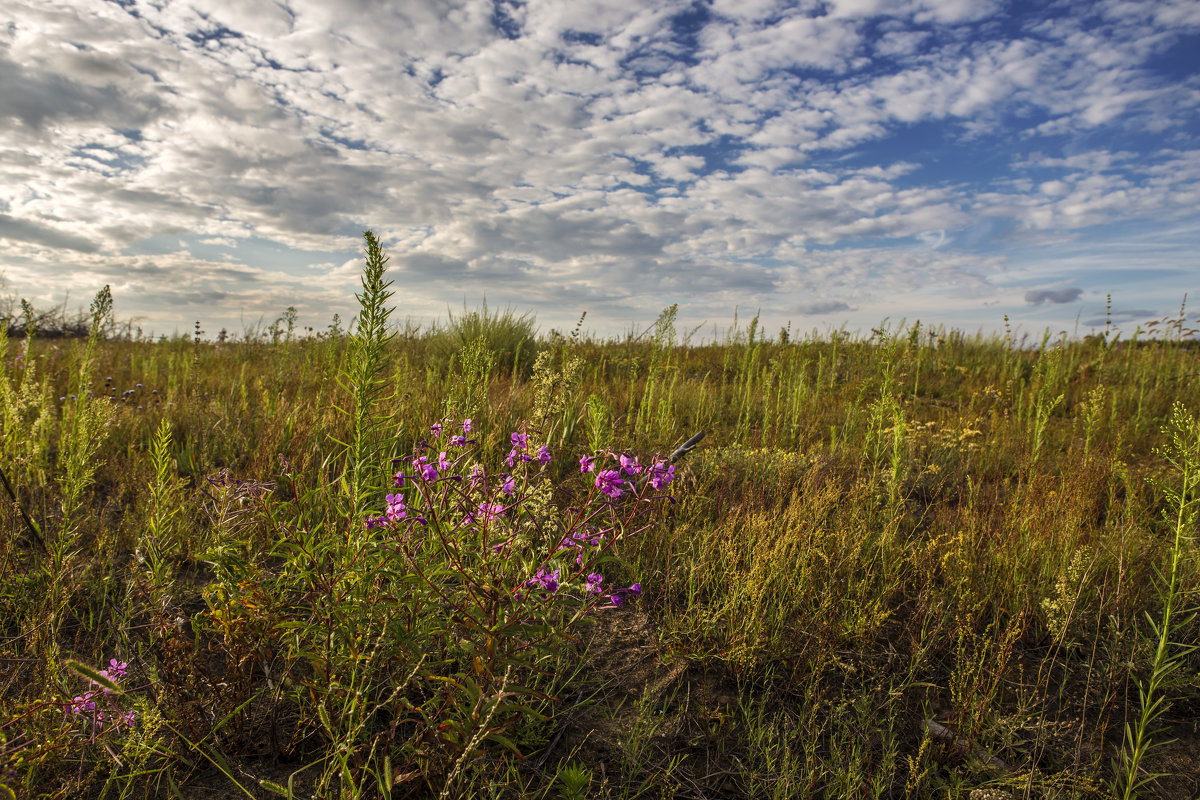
(395, 507)
(609, 482)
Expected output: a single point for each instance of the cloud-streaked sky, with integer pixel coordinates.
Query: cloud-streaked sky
(823, 162)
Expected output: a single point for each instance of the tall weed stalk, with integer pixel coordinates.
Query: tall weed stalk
(85, 424)
(1182, 452)
(363, 378)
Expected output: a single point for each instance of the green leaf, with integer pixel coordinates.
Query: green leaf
(505, 742)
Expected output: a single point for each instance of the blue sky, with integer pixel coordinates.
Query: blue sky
(822, 163)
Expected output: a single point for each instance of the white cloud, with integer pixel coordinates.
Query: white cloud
(587, 154)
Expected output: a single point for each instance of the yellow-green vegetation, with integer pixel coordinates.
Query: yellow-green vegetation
(911, 564)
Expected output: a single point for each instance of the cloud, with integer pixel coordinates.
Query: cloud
(1038, 296)
(37, 233)
(830, 157)
(820, 309)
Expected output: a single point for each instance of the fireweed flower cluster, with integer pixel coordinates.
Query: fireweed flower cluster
(661, 473)
(520, 451)
(396, 509)
(614, 482)
(610, 483)
(98, 706)
(497, 530)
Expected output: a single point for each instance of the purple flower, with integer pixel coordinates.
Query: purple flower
(458, 441)
(511, 458)
(395, 507)
(519, 441)
(547, 580)
(376, 522)
(609, 482)
(467, 425)
(398, 479)
(436, 429)
(476, 476)
(428, 471)
(83, 703)
(543, 455)
(630, 464)
(117, 668)
(489, 511)
(587, 464)
(618, 597)
(510, 485)
(593, 583)
(443, 463)
(661, 474)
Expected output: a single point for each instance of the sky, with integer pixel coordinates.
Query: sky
(824, 165)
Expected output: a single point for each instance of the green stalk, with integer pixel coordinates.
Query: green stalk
(84, 428)
(1183, 453)
(363, 377)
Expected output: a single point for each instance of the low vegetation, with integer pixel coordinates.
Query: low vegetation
(474, 562)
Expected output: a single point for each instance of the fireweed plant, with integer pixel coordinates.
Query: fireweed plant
(99, 716)
(99, 708)
(513, 574)
(455, 619)
(445, 499)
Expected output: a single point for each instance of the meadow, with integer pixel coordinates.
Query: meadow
(383, 560)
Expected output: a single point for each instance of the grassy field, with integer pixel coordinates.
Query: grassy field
(914, 563)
